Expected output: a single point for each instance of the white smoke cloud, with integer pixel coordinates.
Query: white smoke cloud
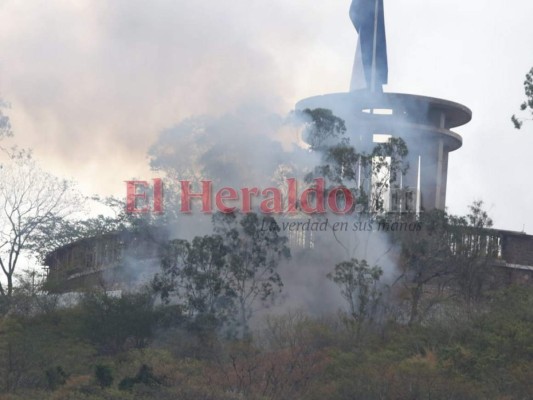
(94, 83)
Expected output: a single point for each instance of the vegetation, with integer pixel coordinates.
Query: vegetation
(31, 200)
(368, 175)
(223, 275)
(359, 287)
(387, 344)
(483, 355)
(445, 329)
(527, 106)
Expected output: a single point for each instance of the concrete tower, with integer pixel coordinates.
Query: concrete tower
(424, 123)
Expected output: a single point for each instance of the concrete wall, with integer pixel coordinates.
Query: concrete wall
(517, 248)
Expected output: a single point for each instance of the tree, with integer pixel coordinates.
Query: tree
(223, 275)
(62, 231)
(56, 377)
(449, 252)
(145, 376)
(30, 200)
(253, 257)
(388, 162)
(527, 105)
(359, 287)
(324, 129)
(5, 124)
(197, 273)
(368, 175)
(426, 257)
(475, 246)
(103, 375)
(114, 324)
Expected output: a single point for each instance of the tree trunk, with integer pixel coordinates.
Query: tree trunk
(416, 295)
(9, 284)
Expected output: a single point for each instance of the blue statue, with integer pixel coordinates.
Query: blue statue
(370, 67)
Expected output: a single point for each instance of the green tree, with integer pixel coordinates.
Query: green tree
(475, 247)
(254, 254)
(225, 274)
(359, 287)
(451, 254)
(144, 376)
(324, 129)
(368, 175)
(527, 106)
(196, 272)
(426, 258)
(5, 124)
(103, 375)
(115, 324)
(56, 377)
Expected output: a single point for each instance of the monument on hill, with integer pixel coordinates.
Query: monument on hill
(372, 115)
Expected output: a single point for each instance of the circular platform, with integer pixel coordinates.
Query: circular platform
(399, 103)
(396, 111)
(424, 123)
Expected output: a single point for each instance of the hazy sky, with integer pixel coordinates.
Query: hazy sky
(92, 83)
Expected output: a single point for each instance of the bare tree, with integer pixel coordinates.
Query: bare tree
(30, 200)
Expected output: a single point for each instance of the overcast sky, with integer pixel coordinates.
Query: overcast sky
(93, 83)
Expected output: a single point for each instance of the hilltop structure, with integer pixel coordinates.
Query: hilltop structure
(373, 116)
(117, 261)
(124, 260)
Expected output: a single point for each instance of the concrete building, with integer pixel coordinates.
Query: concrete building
(112, 262)
(424, 123)
(124, 260)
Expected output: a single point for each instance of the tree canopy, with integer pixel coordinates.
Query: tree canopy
(527, 106)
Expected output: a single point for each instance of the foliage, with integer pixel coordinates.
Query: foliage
(29, 344)
(227, 271)
(384, 165)
(56, 377)
(5, 124)
(196, 272)
(103, 375)
(359, 287)
(368, 175)
(144, 376)
(114, 324)
(478, 218)
(475, 247)
(451, 255)
(254, 254)
(324, 129)
(526, 106)
(296, 356)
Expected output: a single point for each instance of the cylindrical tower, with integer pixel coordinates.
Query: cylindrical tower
(424, 123)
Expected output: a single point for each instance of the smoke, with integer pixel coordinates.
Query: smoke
(306, 286)
(93, 100)
(93, 83)
(255, 147)
(133, 75)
